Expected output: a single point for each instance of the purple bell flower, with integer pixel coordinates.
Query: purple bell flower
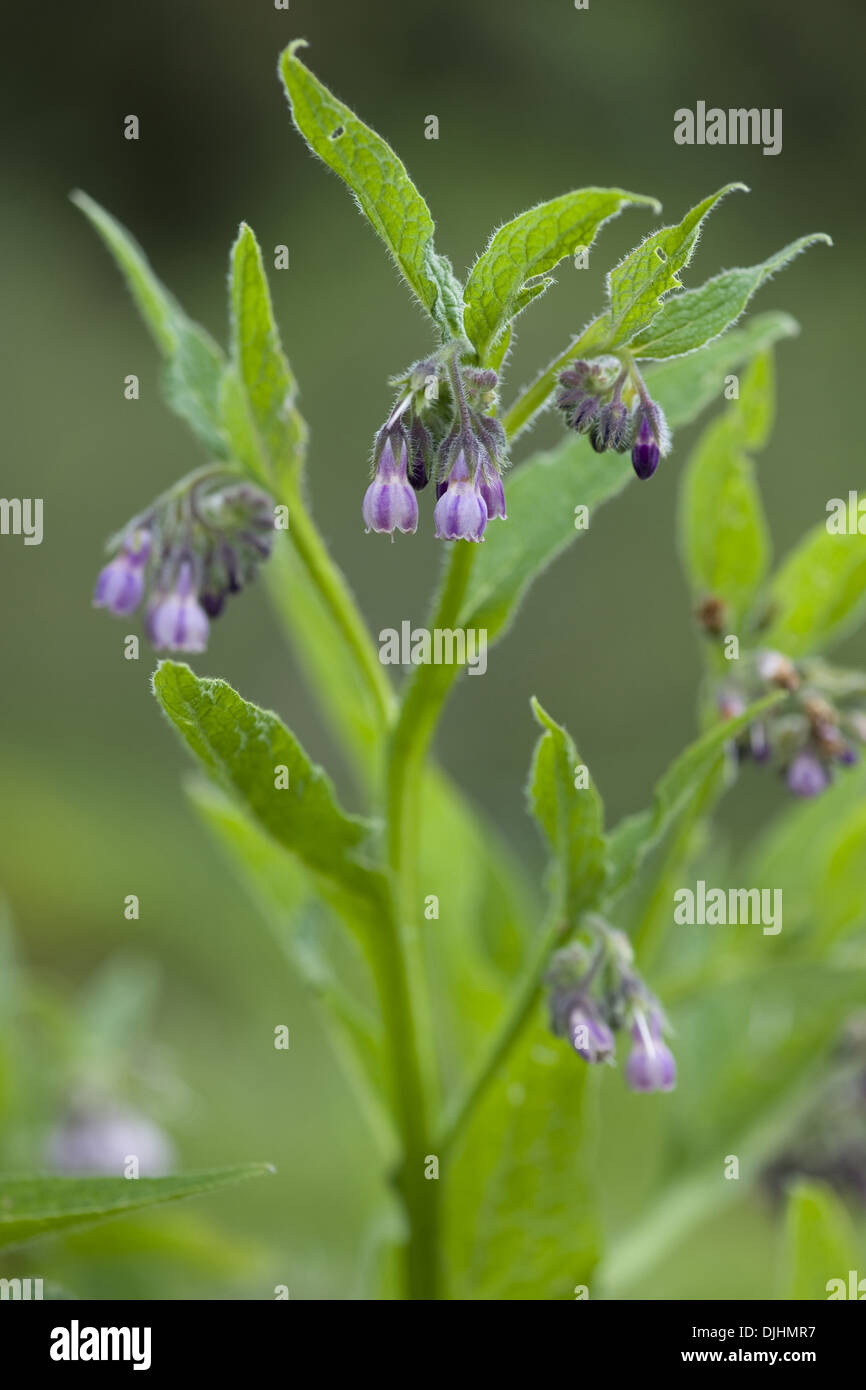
(390, 503)
(176, 621)
(120, 586)
(492, 491)
(807, 775)
(461, 512)
(651, 1065)
(589, 1035)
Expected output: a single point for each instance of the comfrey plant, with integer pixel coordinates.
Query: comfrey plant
(430, 954)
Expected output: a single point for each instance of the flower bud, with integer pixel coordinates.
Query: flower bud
(651, 1065)
(120, 586)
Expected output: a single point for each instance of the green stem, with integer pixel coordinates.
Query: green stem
(408, 745)
(335, 593)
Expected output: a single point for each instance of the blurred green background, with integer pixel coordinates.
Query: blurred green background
(531, 100)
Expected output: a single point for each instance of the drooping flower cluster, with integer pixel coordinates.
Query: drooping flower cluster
(592, 403)
(196, 545)
(593, 993)
(811, 737)
(441, 430)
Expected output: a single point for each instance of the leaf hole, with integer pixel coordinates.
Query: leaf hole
(335, 134)
(660, 253)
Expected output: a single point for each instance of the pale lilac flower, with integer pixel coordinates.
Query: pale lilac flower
(176, 620)
(120, 586)
(807, 775)
(390, 503)
(651, 1065)
(461, 512)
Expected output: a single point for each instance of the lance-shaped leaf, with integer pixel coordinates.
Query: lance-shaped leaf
(381, 187)
(566, 803)
(639, 284)
(634, 837)
(33, 1207)
(688, 320)
(193, 363)
(542, 493)
(252, 755)
(513, 270)
(723, 531)
(520, 1216)
(820, 1246)
(266, 379)
(819, 592)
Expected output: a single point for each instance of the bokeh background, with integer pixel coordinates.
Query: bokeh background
(531, 100)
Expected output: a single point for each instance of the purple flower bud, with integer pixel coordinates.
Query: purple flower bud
(493, 493)
(807, 775)
(421, 454)
(645, 452)
(589, 1035)
(176, 621)
(461, 512)
(120, 586)
(651, 1065)
(612, 428)
(390, 503)
(849, 755)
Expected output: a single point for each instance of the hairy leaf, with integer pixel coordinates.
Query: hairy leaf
(520, 1209)
(269, 386)
(819, 1243)
(33, 1207)
(193, 362)
(381, 187)
(724, 535)
(688, 320)
(243, 748)
(513, 269)
(571, 817)
(640, 283)
(818, 594)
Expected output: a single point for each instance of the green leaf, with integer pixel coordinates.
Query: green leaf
(724, 535)
(640, 283)
(819, 1243)
(819, 592)
(513, 269)
(243, 747)
(33, 1207)
(280, 890)
(688, 320)
(381, 187)
(635, 836)
(269, 387)
(194, 364)
(541, 498)
(542, 493)
(686, 386)
(520, 1200)
(572, 819)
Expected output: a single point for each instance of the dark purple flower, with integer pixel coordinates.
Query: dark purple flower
(176, 621)
(461, 512)
(807, 775)
(120, 586)
(421, 454)
(390, 503)
(612, 428)
(651, 1065)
